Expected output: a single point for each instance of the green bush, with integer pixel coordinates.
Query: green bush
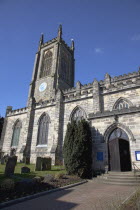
(77, 149)
(7, 185)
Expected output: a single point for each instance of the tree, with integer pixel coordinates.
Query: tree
(78, 149)
(68, 147)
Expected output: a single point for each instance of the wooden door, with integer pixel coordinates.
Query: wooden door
(125, 162)
(114, 155)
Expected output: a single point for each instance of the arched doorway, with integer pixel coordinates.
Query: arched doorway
(119, 151)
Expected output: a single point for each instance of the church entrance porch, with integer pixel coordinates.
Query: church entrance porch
(118, 151)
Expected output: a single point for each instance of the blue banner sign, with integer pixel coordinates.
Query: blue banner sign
(100, 156)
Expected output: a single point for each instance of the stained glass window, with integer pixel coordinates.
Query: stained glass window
(122, 104)
(43, 130)
(118, 133)
(78, 114)
(16, 134)
(46, 64)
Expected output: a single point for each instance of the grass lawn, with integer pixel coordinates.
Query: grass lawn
(21, 185)
(133, 203)
(55, 170)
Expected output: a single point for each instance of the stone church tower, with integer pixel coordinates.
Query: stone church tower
(112, 107)
(53, 68)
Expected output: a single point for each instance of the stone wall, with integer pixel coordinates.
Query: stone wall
(9, 133)
(43, 151)
(128, 122)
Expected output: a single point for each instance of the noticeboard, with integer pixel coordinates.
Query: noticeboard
(137, 154)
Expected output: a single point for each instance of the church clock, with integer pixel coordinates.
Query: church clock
(42, 87)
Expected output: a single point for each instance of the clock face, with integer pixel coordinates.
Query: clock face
(42, 87)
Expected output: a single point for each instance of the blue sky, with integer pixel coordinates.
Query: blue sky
(106, 34)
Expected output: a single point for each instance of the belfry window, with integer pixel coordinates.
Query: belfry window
(78, 114)
(122, 105)
(64, 68)
(43, 130)
(46, 64)
(16, 134)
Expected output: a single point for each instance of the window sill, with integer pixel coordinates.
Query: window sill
(14, 147)
(42, 145)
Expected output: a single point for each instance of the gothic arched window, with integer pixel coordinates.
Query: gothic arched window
(64, 68)
(122, 104)
(43, 130)
(78, 114)
(118, 133)
(16, 134)
(46, 64)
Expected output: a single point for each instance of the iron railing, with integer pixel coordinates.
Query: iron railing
(135, 168)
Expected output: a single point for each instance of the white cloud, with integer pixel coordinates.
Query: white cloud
(136, 37)
(99, 50)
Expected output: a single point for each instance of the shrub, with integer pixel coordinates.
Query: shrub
(78, 149)
(7, 185)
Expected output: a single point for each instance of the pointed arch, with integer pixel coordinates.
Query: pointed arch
(43, 129)
(16, 133)
(116, 125)
(46, 64)
(122, 103)
(44, 113)
(77, 114)
(17, 122)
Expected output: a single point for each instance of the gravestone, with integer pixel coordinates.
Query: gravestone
(2, 161)
(49, 163)
(27, 160)
(1, 154)
(48, 178)
(10, 166)
(38, 166)
(6, 158)
(25, 170)
(24, 159)
(46, 164)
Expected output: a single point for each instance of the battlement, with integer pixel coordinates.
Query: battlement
(126, 76)
(17, 111)
(65, 44)
(110, 84)
(45, 103)
(49, 42)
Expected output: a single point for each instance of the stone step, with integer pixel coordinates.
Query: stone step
(121, 177)
(122, 173)
(125, 172)
(122, 180)
(119, 183)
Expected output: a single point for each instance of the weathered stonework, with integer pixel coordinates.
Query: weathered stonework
(98, 100)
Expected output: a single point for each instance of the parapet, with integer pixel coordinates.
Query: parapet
(17, 111)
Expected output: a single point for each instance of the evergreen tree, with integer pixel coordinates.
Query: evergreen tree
(68, 147)
(78, 149)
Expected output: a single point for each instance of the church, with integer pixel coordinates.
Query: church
(111, 106)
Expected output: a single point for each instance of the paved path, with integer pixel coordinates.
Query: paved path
(91, 195)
